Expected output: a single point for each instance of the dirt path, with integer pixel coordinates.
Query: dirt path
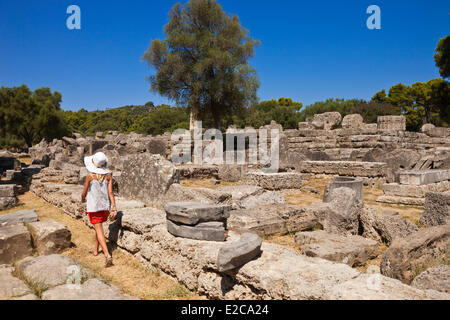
(127, 273)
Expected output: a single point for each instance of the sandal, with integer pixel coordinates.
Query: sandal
(109, 262)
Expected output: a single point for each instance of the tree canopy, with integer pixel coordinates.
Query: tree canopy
(203, 62)
(422, 102)
(27, 117)
(442, 56)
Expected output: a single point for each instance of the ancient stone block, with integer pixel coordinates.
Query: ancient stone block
(384, 225)
(353, 121)
(344, 211)
(356, 184)
(260, 220)
(192, 213)
(147, 178)
(274, 181)
(327, 120)
(237, 253)
(351, 250)
(437, 209)
(8, 190)
(7, 202)
(394, 123)
(245, 197)
(51, 270)
(15, 243)
(421, 177)
(407, 257)
(50, 236)
(231, 172)
(210, 231)
(437, 278)
(11, 286)
(92, 289)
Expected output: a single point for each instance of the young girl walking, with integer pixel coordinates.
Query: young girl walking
(99, 197)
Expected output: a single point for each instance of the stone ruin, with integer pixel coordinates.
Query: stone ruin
(210, 239)
(30, 261)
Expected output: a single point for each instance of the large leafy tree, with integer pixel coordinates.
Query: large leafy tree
(442, 57)
(203, 62)
(422, 102)
(31, 116)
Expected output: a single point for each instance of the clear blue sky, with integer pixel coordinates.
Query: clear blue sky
(310, 50)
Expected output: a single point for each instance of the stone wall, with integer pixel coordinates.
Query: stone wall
(278, 273)
(317, 140)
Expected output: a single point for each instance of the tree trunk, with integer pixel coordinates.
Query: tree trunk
(216, 116)
(193, 116)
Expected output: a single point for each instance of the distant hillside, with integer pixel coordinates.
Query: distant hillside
(139, 118)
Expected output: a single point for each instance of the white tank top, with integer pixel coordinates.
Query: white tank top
(97, 198)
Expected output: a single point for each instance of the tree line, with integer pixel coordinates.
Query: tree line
(203, 66)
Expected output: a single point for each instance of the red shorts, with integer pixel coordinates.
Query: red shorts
(98, 217)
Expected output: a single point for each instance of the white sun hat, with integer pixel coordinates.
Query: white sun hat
(98, 163)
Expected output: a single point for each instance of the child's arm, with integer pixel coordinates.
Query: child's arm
(111, 197)
(86, 187)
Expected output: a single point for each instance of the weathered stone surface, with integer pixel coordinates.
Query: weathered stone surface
(437, 209)
(274, 181)
(15, 243)
(401, 200)
(192, 213)
(8, 190)
(439, 132)
(26, 297)
(421, 177)
(423, 249)
(281, 273)
(92, 289)
(125, 204)
(245, 197)
(141, 221)
(147, 178)
(343, 168)
(210, 231)
(157, 146)
(434, 278)
(204, 195)
(343, 216)
(11, 286)
(82, 176)
(237, 253)
(299, 218)
(18, 217)
(50, 236)
(51, 270)
(378, 287)
(327, 120)
(7, 202)
(231, 172)
(395, 160)
(353, 121)
(351, 250)
(411, 191)
(356, 184)
(427, 127)
(261, 220)
(395, 123)
(384, 225)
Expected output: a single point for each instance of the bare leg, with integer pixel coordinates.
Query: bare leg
(95, 251)
(101, 238)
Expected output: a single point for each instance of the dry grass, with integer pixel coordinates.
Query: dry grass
(127, 273)
(25, 159)
(204, 183)
(287, 240)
